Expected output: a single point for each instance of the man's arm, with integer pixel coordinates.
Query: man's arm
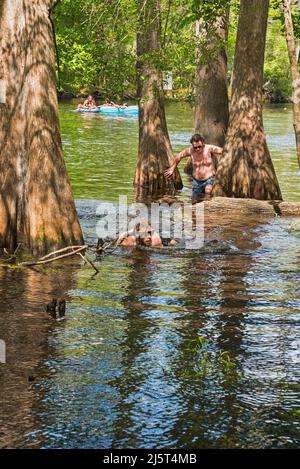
(184, 154)
(216, 150)
(126, 239)
(156, 240)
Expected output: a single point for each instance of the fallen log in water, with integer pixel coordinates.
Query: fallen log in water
(251, 206)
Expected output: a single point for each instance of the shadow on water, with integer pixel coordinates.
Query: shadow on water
(217, 301)
(126, 368)
(25, 328)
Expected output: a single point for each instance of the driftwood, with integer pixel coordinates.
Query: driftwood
(61, 254)
(88, 261)
(56, 255)
(68, 251)
(45, 260)
(251, 206)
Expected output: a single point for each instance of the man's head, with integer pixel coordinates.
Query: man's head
(198, 142)
(144, 233)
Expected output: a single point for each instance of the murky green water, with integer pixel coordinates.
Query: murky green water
(101, 150)
(126, 368)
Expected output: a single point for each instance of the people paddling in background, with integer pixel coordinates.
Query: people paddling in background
(108, 102)
(119, 106)
(89, 103)
(143, 235)
(203, 166)
(80, 105)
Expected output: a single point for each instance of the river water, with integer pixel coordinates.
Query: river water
(168, 348)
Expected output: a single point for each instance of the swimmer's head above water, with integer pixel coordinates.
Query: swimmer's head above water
(142, 235)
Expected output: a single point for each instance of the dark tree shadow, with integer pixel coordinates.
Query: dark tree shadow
(26, 328)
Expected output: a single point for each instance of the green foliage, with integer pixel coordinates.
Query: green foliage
(76, 63)
(233, 21)
(206, 10)
(277, 67)
(210, 363)
(97, 44)
(277, 85)
(277, 11)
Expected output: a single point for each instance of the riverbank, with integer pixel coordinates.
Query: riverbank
(270, 96)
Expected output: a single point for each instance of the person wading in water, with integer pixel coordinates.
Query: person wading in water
(204, 169)
(143, 235)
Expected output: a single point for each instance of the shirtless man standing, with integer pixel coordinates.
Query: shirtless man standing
(203, 166)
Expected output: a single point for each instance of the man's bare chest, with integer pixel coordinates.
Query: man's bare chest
(199, 161)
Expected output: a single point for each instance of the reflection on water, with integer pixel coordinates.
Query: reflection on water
(124, 368)
(25, 327)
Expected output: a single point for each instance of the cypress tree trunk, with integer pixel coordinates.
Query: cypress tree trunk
(292, 51)
(36, 202)
(246, 168)
(211, 106)
(155, 152)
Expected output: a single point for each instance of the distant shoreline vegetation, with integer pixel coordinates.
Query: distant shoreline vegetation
(271, 96)
(97, 54)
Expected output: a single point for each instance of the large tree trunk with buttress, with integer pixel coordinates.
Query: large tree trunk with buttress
(211, 104)
(36, 203)
(293, 56)
(246, 168)
(155, 153)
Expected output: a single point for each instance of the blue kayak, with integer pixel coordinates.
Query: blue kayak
(128, 110)
(115, 110)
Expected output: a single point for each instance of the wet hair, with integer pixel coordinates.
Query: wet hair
(142, 228)
(197, 138)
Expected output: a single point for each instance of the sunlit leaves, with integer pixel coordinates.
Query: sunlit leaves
(97, 42)
(102, 29)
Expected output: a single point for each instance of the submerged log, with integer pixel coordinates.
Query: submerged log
(242, 206)
(250, 206)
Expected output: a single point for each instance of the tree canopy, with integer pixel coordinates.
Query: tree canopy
(96, 42)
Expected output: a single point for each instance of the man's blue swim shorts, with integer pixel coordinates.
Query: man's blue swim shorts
(198, 187)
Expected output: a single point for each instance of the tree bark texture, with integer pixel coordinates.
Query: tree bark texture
(211, 105)
(246, 168)
(36, 201)
(293, 57)
(155, 153)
